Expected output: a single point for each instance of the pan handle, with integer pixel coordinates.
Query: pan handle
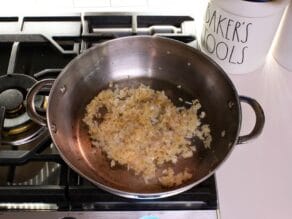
(30, 99)
(260, 120)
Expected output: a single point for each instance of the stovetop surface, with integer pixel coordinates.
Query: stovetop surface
(31, 170)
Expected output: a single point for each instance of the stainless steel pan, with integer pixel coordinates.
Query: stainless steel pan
(163, 64)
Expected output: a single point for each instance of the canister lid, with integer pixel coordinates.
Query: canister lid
(251, 8)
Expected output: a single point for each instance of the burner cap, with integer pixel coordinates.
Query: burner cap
(11, 99)
(13, 88)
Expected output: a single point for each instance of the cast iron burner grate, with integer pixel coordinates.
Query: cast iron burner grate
(40, 47)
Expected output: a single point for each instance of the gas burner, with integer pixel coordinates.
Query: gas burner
(12, 100)
(17, 126)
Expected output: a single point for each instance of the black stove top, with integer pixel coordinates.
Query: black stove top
(31, 170)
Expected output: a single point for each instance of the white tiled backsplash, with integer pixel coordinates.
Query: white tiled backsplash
(18, 7)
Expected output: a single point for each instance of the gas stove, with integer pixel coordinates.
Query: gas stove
(33, 177)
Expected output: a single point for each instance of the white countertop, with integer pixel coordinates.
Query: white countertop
(256, 180)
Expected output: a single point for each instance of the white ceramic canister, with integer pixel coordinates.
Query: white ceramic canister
(283, 47)
(238, 34)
